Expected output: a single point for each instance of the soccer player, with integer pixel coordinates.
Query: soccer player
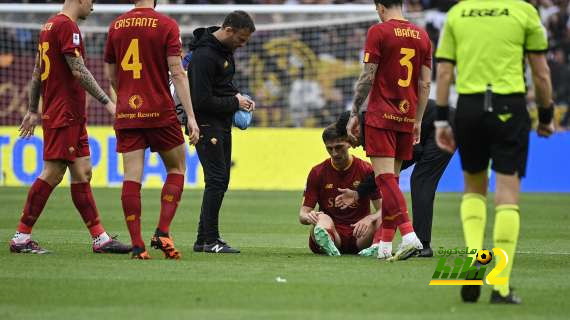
(61, 78)
(335, 230)
(143, 46)
(430, 163)
(215, 99)
(487, 41)
(401, 53)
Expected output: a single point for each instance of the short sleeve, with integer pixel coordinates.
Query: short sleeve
(447, 45)
(535, 34)
(69, 39)
(109, 55)
(311, 193)
(173, 41)
(372, 45)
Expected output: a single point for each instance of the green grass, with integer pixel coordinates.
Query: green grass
(74, 283)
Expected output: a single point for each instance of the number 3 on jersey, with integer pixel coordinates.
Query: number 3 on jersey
(131, 60)
(405, 61)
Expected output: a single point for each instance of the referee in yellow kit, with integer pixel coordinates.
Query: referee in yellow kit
(486, 41)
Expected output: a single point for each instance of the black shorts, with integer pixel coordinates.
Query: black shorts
(501, 135)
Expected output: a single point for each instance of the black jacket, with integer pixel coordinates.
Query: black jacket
(210, 74)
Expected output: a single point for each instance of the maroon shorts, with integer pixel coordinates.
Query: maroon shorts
(388, 143)
(66, 143)
(158, 139)
(347, 240)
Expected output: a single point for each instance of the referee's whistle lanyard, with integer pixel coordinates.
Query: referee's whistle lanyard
(488, 102)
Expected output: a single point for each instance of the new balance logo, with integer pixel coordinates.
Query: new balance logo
(217, 248)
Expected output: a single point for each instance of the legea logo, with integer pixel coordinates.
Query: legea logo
(463, 273)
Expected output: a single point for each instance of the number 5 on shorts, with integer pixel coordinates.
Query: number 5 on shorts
(132, 54)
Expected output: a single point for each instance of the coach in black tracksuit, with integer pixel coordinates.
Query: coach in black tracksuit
(430, 164)
(215, 99)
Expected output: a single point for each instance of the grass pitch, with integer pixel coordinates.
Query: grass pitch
(73, 283)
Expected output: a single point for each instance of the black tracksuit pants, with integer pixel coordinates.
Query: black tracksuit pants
(430, 164)
(215, 153)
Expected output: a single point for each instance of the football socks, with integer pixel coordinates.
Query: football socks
(473, 216)
(131, 201)
(37, 197)
(505, 236)
(83, 200)
(169, 198)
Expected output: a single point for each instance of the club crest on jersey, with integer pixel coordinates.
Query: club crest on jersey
(135, 101)
(76, 39)
(226, 64)
(329, 186)
(404, 106)
(356, 183)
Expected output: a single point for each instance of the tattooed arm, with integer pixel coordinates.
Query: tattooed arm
(361, 91)
(31, 118)
(363, 85)
(35, 86)
(88, 82)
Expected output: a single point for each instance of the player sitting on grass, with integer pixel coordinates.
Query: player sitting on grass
(337, 230)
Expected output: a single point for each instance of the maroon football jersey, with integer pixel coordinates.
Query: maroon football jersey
(322, 188)
(139, 43)
(62, 95)
(399, 48)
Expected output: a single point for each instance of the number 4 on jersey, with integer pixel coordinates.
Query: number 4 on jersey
(132, 54)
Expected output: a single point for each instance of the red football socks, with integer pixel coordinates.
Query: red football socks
(169, 198)
(83, 200)
(393, 202)
(37, 197)
(131, 200)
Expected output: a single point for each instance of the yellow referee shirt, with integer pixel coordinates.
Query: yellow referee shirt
(487, 39)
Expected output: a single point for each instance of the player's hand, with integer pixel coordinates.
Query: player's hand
(346, 198)
(545, 130)
(312, 217)
(245, 103)
(353, 131)
(444, 139)
(28, 125)
(111, 107)
(362, 227)
(417, 132)
(193, 130)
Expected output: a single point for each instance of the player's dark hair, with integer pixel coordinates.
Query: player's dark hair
(331, 134)
(239, 20)
(342, 122)
(389, 3)
(337, 130)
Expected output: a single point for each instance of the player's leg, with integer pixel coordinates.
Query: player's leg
(473, 144)
(131, 143)
(326, 236)
(175, 162)
(368, 238)
(81, 171)
(509, 154)
(424, 180)
(133, 164)
(38, 194)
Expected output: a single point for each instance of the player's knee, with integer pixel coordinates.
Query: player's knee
(325, 220)
(52, 177)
